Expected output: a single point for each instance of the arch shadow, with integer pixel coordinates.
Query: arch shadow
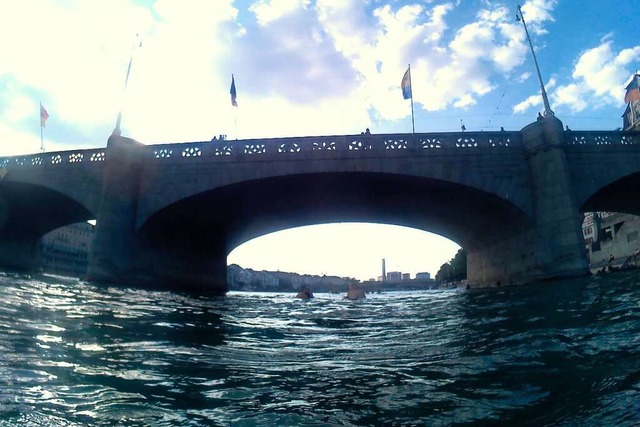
(28, 211)
(219, 220)
(619, 196)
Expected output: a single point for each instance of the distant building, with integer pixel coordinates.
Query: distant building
(406, 276)
(608, 233)
(631, 116)
(394, 276)
(422, 276)
(250, 280)
(65, 251)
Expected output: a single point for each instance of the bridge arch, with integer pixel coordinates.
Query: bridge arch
(208, 226)
(27, 212)
(497, 172)
(620, 195)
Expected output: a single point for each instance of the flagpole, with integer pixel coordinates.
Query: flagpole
(116, 130)
(41, 131)
(413, 123)
(545, 100)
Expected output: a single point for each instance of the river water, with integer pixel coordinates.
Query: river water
(563, 353)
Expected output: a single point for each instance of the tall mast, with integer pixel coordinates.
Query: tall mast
(116, 130)
(545, 100)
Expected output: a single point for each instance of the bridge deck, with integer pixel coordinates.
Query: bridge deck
(259, 149)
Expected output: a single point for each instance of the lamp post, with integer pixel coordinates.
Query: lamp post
(545, 100)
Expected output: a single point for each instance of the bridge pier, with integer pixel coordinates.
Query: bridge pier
(506, 260)
(112, 259)
(120, 256)
(552, 245)
(558, 240)
(183, 269)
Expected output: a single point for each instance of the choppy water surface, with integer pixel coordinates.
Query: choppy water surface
(564, 353)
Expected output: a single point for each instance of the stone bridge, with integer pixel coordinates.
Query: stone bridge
(168, 215)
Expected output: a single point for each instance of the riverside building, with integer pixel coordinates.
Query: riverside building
(65, 251)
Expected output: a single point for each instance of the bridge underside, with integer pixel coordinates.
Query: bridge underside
(189, 241)
(619, 196)
(27, 212)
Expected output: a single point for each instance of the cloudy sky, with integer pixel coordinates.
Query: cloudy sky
(306, 67)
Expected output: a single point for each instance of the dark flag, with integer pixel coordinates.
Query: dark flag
(233, 92)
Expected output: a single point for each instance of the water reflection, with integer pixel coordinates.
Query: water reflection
(550, 354)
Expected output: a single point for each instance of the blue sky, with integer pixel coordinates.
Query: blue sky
(306, 67)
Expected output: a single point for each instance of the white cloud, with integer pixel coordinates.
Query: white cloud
(532, 101)
(571, 95)
(465, 101)
(477, 51)
(16, 141)
(598, 75)
(267, 11)
(523, 77)
(553, 82)
(512, 52)
(537, 12)
(415, 34)
(472, 41)
(20, 108)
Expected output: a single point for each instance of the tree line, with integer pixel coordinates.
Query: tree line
(455, 270)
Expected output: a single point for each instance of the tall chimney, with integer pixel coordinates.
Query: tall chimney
(384, 271)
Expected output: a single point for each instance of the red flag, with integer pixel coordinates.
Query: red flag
(43, 115)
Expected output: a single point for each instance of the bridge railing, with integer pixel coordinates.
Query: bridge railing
(363, 144)
(378, 143)
(601, 138)
(75, 157)
(278, 147)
